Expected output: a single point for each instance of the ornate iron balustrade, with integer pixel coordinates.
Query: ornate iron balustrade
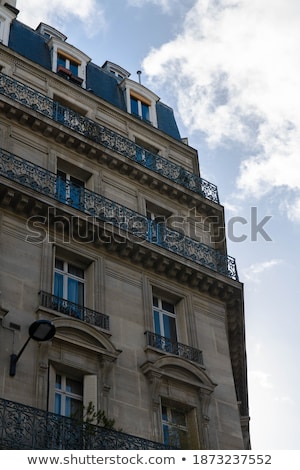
(74, 310)
(102, 135)
(24, 427)
(179, 349)
(137, 227)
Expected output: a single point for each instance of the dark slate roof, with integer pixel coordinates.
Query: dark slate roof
(32, 45)
(105, 85)
(166, 120)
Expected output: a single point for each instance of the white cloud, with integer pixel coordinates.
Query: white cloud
(166, 5)
(284, 399)
(58, 12)
(234, 70)
(252, 272)
(261, 379)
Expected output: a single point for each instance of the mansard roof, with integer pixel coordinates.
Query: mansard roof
(33, 45)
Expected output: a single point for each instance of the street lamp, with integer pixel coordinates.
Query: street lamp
(40, 330)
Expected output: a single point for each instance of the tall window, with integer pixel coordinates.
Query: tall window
(69, 67)
(157, 221)
(175, 432)
(156, 224)
(70, 189)
(68, 396)
(69, 282)
(67, 63)
(164, 322)
(140, 108)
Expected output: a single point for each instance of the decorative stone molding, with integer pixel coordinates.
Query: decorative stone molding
(172, 371)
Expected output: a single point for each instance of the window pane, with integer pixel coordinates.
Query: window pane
(61, 187)
(76, 409)
(58, 381)
(75, 191)
(174, 437)
(178, 417)
(174, 427)
(145, 112)
(75, 196)
(67, 407)
(167, 306)
(78, 272)
(156, 323)
(169, 328)
(61, 61)
(166, 435)
(74, 68)
(59, 264)
(164, 411)
(73, 386)
(73, 408)
(58, 285)
(62, 175)
(134, 106)
(155, 301)
(75, 291)
(57, 405)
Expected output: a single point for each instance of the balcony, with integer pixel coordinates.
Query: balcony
(134, 225)
(178, 349)
(32, 99)
(24, 427)
(74, 310)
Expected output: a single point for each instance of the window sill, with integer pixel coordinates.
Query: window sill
(68, 75)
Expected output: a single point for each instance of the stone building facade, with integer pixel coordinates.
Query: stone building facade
(108, 231)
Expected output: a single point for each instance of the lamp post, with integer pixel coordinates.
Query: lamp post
(40, 330)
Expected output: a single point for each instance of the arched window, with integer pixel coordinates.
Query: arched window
(79, 358)
(181, 393)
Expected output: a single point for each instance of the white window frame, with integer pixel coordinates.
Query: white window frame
(89, 385)
(140, 102)
(66, 276)
(64, 394)
(57, 46)
(68, 61)
(173, 427)
(69, 181)
(131, 88)
(161, 313)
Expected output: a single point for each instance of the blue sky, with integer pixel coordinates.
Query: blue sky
(230, 69)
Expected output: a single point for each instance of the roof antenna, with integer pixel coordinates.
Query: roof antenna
(139, 72)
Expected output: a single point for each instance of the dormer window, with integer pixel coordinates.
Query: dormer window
(140, 101)
(139, 106)
(50, 32)
(68, 67)
(115, 70)
(68, 61)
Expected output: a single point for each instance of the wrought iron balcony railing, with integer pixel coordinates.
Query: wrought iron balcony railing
(74, 310)
(173, 347)
(24, 427)
(136, 226)
(32, 99)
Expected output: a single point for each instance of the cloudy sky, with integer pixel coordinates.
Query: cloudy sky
(230, 69)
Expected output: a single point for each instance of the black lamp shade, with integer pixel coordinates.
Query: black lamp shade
(42, 330)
